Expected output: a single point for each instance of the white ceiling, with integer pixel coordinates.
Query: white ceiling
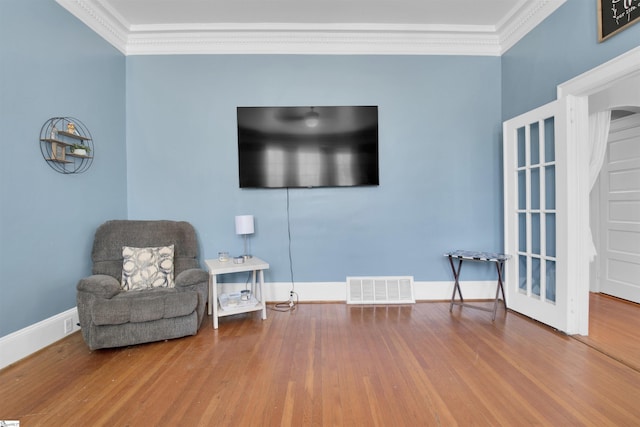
(467, 27)
(465, 12)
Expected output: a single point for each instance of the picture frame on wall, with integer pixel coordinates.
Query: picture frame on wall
(615, 16)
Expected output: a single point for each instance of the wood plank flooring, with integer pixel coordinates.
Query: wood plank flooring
(614, 328)
(331, 365)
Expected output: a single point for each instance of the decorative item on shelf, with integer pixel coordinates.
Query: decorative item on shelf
(223, 256)
(71, 128)
(244, 226)
(80, 149)
(58, 152)
(66, 145)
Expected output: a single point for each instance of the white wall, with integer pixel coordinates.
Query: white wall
(625, 93)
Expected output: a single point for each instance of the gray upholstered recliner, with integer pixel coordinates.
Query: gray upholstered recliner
(112, 317)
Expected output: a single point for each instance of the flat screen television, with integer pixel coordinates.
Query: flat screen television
(304, 147)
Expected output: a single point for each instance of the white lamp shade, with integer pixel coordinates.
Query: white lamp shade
(244, 224)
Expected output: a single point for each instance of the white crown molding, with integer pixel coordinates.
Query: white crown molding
(314, 41)
(103, 20)
(351, 39)
(524, 17)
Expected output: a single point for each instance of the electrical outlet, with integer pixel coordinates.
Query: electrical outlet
(68, 325)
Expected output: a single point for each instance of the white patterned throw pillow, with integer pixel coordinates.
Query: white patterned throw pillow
(147, 268)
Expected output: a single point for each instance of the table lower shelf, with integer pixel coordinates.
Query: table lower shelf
(238, 310)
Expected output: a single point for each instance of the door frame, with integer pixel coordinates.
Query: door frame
(593, 81)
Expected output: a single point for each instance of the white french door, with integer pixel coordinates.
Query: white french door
(536, 213)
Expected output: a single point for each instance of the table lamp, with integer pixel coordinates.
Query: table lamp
(244, 226)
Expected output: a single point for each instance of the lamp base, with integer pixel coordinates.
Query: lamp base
(246, 257)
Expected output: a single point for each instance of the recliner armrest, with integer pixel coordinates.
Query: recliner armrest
(190, 277)
(101, 285)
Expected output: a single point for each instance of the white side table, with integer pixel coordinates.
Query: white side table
(215, 267)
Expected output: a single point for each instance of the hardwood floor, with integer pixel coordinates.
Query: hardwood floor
(614, 328)
(331, 365)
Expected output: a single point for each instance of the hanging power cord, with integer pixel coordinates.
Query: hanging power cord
(292, 303)
(246, 283)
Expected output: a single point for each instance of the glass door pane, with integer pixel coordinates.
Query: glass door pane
(536, 210)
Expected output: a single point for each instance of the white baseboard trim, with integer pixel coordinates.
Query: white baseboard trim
(27, 341)
(337, 291)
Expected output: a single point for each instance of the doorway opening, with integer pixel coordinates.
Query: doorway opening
(615, 209)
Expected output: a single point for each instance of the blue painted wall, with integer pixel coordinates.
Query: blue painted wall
(53, 65)
(440, 162)
(562, 47)
(440, 182)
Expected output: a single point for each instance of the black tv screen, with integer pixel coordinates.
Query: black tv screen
(303, 147)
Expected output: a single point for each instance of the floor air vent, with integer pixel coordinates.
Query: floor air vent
(380, 290)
